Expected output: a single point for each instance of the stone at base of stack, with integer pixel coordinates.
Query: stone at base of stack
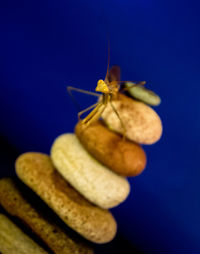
(14, 241)
(21, 205)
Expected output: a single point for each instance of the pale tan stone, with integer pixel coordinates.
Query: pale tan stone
(142, 123)
(94, 181)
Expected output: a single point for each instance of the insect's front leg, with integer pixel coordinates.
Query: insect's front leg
(71, 88)
(85, 110)
(95, 114)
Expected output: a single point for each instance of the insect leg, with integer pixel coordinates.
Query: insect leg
(134, 83)
(94, 114)
(70, 88)
(122, 124)
(107, 72)
(85, 110)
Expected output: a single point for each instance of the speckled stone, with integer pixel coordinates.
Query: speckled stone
(142, 123)
(95, 224)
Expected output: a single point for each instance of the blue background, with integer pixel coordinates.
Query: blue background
(48, 45)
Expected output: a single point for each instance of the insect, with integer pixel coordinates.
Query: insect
(109, 87)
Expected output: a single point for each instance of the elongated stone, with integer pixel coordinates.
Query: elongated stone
(93, 180)
(122, 156)
(142, 124)
(37, 171)
(14, 241)
(40, 220)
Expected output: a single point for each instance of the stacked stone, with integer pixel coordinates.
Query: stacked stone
(83, 178)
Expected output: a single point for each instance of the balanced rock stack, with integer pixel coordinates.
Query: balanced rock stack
(84, 176)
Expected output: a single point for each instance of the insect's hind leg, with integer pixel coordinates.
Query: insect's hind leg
(122, 124)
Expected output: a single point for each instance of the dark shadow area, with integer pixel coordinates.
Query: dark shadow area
(8, 155)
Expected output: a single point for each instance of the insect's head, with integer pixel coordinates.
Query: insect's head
(102, 87)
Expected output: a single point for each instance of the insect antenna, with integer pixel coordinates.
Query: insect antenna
(107, 72)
